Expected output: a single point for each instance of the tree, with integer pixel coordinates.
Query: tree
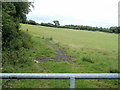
(32, 22)
(113, 29)
(12, 15)
(118, 30)
(56, 23)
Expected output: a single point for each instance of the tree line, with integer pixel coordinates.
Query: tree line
(113, 29)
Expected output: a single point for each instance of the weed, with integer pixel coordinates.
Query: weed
(50, 38)
(113, 71)
(49, 60)
(86, 59)
(42, 37)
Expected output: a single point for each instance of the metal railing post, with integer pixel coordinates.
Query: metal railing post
(72, 83)
(71, 76)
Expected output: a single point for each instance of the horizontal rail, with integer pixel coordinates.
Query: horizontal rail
(59, 75)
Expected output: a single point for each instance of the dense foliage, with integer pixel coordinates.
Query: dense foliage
(47, 24)
(32, 22)
(14, 41)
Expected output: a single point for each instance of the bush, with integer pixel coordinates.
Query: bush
(32, 22)
(13, 60)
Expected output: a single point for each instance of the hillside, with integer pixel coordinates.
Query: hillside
(87, 39)
(57, 50)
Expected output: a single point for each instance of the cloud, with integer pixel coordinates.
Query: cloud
(81, 12)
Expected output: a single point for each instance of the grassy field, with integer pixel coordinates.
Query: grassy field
(75, 38)
(91, 52)
(99, 47)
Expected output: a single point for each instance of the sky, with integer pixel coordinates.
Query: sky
(100, 13)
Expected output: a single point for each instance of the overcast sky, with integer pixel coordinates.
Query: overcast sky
(101, 13)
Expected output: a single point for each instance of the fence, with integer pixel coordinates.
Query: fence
(71, 76)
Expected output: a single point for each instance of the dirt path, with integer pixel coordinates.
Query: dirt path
(60, 54)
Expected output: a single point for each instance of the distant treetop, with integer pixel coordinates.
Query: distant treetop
(56, 23)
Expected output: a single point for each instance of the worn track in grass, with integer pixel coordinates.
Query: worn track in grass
(60, 54)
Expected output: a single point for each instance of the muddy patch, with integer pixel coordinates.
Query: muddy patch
(61, 56)
(42, 59)
(60, 53)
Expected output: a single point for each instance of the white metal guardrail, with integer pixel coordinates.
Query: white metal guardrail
(71, 76)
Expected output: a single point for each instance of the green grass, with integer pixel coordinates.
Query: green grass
(93, 52)
(97, 47)
(75, 38)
